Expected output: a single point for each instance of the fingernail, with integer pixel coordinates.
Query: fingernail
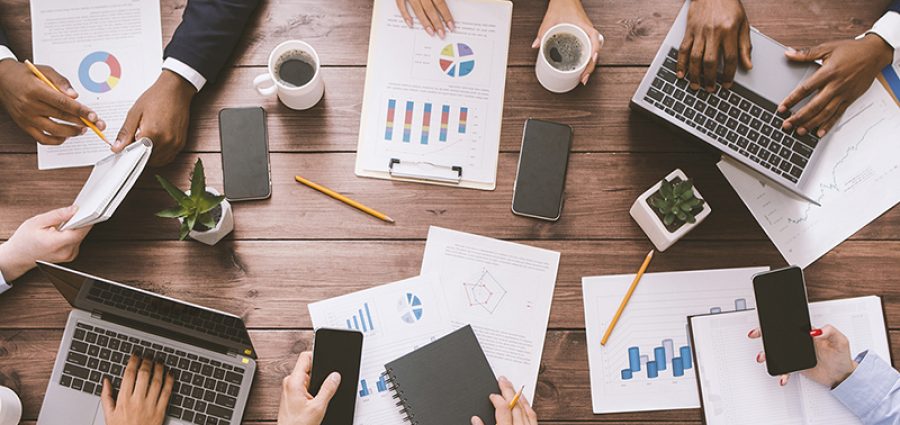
(781, 109)
(72, 208)
(452, 26)
(821, 133)
(430, 31)
(441, 33)
(584, 80)
(596, 56)
(336, 377)
(815, 332)
(409, 22)
(71, 92)
(679, 74)
(83, 130)
(503, 379)
(101, 124)
(801, 131)
(117, 144)
(758, 358)
(786, 125)
(750, 334)
(791, 50)
(782, 381)
(536, 43)
(92, 117)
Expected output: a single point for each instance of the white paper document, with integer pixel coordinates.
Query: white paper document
(736, 390)
(432, 108)
(855, 180)
(395, 320)
(110, 51)
(504, 290)
(647, 363)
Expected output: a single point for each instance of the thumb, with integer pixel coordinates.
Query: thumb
(64, 85)
(56, 217)
(502, 413)
(806, 54)
(329, 387)
(106, 398)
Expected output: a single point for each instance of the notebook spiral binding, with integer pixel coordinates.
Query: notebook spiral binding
(405, 409)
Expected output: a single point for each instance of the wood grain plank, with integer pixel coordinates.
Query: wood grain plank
(563, 391)
(269, 284)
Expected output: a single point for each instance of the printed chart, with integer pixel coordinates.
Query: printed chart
(483, 290)
(99, 72)
(457, 60)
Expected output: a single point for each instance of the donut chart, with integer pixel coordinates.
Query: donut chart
(84, 72)
(457, 60)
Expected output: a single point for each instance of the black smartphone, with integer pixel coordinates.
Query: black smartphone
(784, 320)
(337, 350)
(245, 153)
(541, 176)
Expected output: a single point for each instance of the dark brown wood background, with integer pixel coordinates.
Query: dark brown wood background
(300, 246)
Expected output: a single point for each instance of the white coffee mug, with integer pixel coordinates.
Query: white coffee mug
(10, 407)
(300, 98)
(555, 80)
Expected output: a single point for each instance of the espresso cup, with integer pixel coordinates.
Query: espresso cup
(302, 96)
(10, 407)
(558, 80)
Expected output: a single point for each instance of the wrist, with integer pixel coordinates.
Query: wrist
(181, 87)
(883, 51)
(11, 266)
(845, 375)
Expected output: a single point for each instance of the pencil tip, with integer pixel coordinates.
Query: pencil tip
(390, 220)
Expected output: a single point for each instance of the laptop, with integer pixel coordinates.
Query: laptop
(208, 352)
(740, 122)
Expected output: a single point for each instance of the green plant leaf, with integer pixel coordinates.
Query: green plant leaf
(691, 219)
(174, 212)
(681, 215)
(669, 219)
(208, 221)
(192, 220)
(687, 195)
(183, 232)
(666, 189)
(686, 206)
(173, 191)
(198, 182)
(683, 187)
(207, 202)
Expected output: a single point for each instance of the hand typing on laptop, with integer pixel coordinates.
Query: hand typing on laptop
(714, 26)
(848, 69)
(520, 414)
(38, 239)
(143, 396)
(298, 406)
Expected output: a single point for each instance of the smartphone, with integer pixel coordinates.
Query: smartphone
(784, 320)
(245, 153)
(541, 176)
(337, 350)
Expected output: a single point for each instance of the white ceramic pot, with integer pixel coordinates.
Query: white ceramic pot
(653, 226)
(223, 227)
(10, 407)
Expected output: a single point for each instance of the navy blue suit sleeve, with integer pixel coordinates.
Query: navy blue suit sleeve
(208, 33)
(4, 41)
(895, 6)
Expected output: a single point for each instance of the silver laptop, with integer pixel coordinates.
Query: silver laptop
(742, 121)
(208, 352)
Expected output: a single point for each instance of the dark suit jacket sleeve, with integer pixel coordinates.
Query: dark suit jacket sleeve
(209, 31)
(895, 6)
(4, 41)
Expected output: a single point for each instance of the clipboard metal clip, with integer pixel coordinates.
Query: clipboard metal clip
(420, 170)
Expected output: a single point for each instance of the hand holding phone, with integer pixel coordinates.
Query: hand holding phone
(337, 350)
(298, 406)
(783, 311)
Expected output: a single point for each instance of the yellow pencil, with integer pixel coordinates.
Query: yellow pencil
(344, 199)
(637, 278)
(42, 77)
(515, 399)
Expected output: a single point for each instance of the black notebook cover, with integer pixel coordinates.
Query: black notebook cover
(445, 382)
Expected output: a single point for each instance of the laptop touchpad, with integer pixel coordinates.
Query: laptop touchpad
(773, 76)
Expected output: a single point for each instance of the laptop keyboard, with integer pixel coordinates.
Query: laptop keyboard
(738, 118)
(205, 391)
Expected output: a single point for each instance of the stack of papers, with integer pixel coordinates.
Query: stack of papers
(502, 289)
(109, 182)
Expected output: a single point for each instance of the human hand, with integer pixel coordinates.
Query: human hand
(432, 14)
(31, 104)
(143, 396)
(848, 69)
(298, 406)
(572, 12)
(834, 363)
(714, 25)
(162, 113)
(521, 414)
(38, 239)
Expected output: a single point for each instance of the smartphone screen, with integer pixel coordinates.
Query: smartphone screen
(784, 320)
(337, 350)
(541, 178)
(245, 153)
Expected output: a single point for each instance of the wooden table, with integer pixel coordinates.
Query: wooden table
(300, 246)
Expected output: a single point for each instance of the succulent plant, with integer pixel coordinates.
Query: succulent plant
(676, 204)
(196, 208)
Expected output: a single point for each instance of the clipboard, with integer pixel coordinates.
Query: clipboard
(429, 169)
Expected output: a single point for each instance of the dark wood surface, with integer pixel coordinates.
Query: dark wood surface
(300, 246)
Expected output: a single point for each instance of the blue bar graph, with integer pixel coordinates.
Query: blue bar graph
(677, 367)
(651, 370)
(362, 320)
(659, 356)
(686, 357)
(634, 359)
(364, 388)
(381, 385)
(627, 374)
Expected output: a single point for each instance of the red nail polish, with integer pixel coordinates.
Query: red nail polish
(750, 334)
(758, 357)
(815, 332)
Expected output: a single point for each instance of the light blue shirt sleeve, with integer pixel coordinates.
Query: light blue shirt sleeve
(3, 284)
(872, 392)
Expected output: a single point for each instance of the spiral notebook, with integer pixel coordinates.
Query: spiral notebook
(445, 382)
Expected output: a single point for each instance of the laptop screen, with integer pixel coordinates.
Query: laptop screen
(151, 312)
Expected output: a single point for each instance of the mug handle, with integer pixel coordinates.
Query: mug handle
(263, 79)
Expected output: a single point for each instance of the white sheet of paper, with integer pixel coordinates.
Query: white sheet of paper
(396, 319)
(85, 40)
(655, 317)
(504, 290)
(739, 391)
(855, 177)
(435, 101)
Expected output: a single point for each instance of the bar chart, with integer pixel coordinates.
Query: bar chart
(417, 118)
(362, 320)
(365, 390)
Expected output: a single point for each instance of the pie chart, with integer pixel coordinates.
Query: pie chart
(457, 60)
(410, 308)
(97, 60)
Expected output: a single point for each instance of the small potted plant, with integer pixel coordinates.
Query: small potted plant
(669, 210)
(204, 214)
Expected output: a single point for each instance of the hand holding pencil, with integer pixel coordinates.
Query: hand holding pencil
(511, 407)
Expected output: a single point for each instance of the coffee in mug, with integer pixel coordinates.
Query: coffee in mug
(564, 51)
(294, 74)
(295, 69)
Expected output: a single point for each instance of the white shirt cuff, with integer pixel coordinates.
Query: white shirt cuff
(3, 285)
(5, 53)
(888, 28)
(185, 71)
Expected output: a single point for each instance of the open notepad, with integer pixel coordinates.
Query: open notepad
(109, 182)
(735, 390)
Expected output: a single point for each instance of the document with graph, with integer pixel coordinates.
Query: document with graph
(735, 390)
(647, 363)
(504, 290)
(395, 319)
(855, 180)
(111, 52)
(432, 108)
